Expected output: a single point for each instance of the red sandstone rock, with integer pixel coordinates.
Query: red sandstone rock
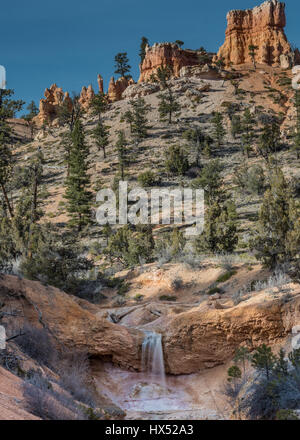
(86, 97)
(166, 54)
(116, 88)
(100, 83)
(262, 26)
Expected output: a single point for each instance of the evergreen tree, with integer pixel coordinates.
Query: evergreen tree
(99, 105)
(220, 63)
(278, 234)
(197, 139)
(101, 136)
(264, 360)
(269, 138)
(144, 44)
(296, 145)
(139, 119)
(236, 126)
(162, 76)
(252, 53)
(70, 114)
(121, 64)
(77, 183)
(8, 108)
(122, 152)
(176, 161)
(218, 128)
(29, 117)
(242, 355)
(128, 117)
(220, 226)
(179, 43)
(247, 132)
(168, 105)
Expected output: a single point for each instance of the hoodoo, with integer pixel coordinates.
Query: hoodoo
(263, 27)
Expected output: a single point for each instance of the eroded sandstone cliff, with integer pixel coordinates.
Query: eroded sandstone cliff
(262, 26)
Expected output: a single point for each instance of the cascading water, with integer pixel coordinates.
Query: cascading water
(153, 358)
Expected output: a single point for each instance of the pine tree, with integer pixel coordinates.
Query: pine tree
(122, 152)
(162, 76)
(70, 114)
(101, 136)
(220, 63)
(144, 44)
(168, 105)
(220, 226)
(176, 161)
(269, 138)
(139, 120)
(264, 360)
(296, 145)
(278, 234)
(8, 108)
(252, 53)
(29, 117)
(236, 126)
(218, 128)
(128, 117)
(247, 132)
(77, 183)
(197, 139)
(121, 64)
(99, 105)
(179, 43)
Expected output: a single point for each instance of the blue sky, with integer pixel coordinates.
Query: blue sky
(70, 41)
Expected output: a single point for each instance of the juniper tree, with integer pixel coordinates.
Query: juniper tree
(122, 152)
(168, 105)
(121, 64)
(101, 136)
(252, 53)
(29, 117)
(144, 44)
(218, 128)
(77, 182)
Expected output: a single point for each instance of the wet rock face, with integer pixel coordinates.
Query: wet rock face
(262, 26)
(166, 54)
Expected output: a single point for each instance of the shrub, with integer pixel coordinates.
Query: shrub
(147, 179)
(226, 276)
(168, 298)
(36, 343)
(214, 290)
(176, 161)
(177, 283)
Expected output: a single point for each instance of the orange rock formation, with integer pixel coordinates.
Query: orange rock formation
(262, 26)
(166, 54)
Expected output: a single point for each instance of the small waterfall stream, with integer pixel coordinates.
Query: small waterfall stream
(153, 358)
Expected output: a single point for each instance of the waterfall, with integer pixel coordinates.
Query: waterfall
(153, 358)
